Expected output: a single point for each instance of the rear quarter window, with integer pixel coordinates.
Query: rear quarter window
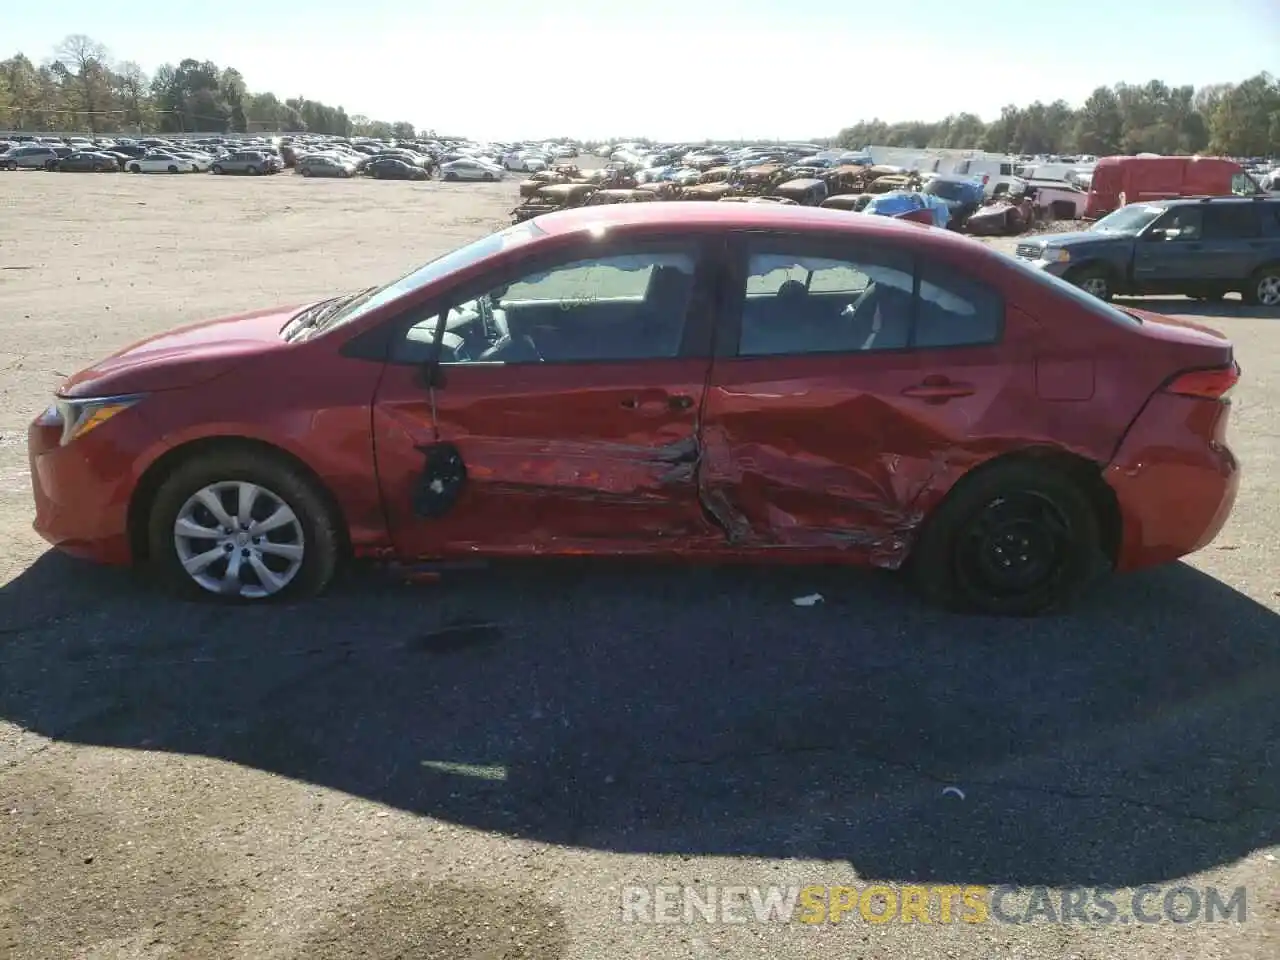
(1056, 285)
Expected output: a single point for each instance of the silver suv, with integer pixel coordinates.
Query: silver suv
(29, 158)
(248, 161)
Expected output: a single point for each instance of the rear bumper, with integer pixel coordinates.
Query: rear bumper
(1175, 480)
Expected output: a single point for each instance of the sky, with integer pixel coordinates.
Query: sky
(727, 69)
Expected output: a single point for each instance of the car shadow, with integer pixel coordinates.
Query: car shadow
(1231, 307)
(642, 708)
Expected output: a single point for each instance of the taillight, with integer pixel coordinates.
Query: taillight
(1211, 384)
(986, 178)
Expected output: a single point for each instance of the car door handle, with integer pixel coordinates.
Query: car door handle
(678, 401)
(937, 392)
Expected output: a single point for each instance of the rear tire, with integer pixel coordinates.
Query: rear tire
(172, 168)
(318, 532)
(1264, 287)
(1013, 539)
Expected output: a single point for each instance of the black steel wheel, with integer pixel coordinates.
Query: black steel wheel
(1017, 538)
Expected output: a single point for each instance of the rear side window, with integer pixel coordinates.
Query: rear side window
(1232, 221)
(1057, 286)
(954, 310)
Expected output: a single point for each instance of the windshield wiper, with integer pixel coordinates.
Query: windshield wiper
(305, 319)
(332, 309)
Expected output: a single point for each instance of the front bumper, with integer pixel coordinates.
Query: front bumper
(82, 491)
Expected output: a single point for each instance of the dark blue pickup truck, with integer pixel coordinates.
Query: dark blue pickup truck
(1203, 247)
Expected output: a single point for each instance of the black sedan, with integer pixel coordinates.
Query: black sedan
(392, 168)
(87, 161)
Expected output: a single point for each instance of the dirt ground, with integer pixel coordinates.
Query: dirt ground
(473, 770)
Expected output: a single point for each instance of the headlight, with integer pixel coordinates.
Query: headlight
(1050, 255)
(78, 417)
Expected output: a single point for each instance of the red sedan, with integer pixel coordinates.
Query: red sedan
(720, 381)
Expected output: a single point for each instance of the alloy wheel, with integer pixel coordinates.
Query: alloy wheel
(1269, 290)
(1096, 286)
(236, 538)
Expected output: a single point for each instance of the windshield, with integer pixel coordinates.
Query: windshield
(435, 270)
(1129, 219)
(947, 189)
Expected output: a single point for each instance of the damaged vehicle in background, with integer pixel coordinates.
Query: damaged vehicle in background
(714, 381)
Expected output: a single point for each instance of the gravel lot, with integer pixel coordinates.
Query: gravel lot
(475, 768)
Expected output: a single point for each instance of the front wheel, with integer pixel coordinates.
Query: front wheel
(451, 176)
(305, 172)
(1264, 287)
(1014, 539)
(239, 526)
(216, 168)
(1093, 280)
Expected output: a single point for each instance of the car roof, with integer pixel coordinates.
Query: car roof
(712, 215)
(1213, 201)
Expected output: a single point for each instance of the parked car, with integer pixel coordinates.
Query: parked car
(471, 168)
(249, 162)
(790, 382)
(393, 168)
(88, 161)
(202, 161)
(961, 195)
(321, 165)
(32, 158)
(1204, 248)
(160, 162)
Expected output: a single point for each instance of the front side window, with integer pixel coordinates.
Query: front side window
(1181, 223)
(625, 307)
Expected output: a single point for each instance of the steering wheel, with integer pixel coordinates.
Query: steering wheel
(484, 306)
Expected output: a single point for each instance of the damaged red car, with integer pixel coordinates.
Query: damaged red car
(697, 380)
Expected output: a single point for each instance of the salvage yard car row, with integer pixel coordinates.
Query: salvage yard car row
(318, 158)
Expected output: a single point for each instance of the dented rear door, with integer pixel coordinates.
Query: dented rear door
(561, 456)
(833, 416)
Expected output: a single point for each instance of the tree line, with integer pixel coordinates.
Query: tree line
(1231, 119)
(83, 88)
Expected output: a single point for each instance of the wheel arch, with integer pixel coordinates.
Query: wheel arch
(148, 485)
(1083, 471)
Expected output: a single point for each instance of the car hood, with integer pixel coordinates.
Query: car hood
(1074, 238)
(182, 357)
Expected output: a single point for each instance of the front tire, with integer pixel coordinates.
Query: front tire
(1264, 287)
(1013, 539)
(237, 526)
(1094, 280)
